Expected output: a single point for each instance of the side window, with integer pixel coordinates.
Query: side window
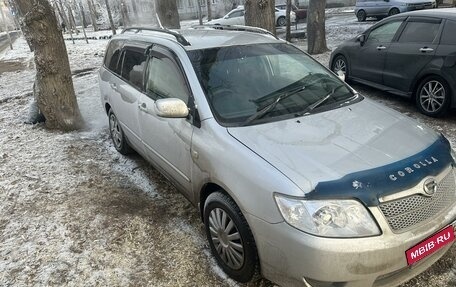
(236, 14)
(165, 79)
(384, 33)
(449, 34)
(112, 55)
(419, 32)
(133, 66)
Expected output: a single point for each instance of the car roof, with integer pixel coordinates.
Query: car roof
(204, 38)
(445, 13)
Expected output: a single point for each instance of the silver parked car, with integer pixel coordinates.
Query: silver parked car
(236, 17)
(298, 178)
(383, 8)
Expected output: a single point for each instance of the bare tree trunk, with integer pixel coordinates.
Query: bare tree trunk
(72, 20)
(81, 9)
(93, 15)
(135, 9)
(209, 10)
(65, 18)
(200, 12)
(288, 31)
(124, 13)
(316, 33)
(167, 12)
(83, 19)
(113, 27)
(53, 88)
(260, 13)
(6, 27)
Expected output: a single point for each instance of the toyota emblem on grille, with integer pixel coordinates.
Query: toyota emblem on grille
(430, 186)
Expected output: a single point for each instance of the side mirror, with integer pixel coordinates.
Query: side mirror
(171, 108)
(341, 75)
(361, 38)
(225, 17)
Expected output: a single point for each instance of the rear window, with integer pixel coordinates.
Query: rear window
(133, 66)
(112, 55)
(449, 33)
(419, 32)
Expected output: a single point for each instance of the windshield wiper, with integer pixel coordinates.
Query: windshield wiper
(319, 102)
(262, 111)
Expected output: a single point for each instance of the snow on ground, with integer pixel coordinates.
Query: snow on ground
(75, 212)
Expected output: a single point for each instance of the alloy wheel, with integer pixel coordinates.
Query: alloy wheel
(340, 65)
(432, 96)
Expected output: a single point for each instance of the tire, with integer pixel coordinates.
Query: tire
(340, 64)
(240, 263)
(433, 96)
(281, 21)
(361, 15)
(393, 11)
(117, 135)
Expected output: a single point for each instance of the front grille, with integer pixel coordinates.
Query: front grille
(404, 213)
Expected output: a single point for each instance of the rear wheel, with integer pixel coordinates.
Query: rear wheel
(433, 96)
(393, 11)
(117, 135)
(361, 15)
(230, 238)
(281, 21)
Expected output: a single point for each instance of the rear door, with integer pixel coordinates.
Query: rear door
(368, 59)
(415, 48)
(128, 90)
(167, 141)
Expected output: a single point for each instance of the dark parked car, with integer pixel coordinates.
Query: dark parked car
(411, 54)
(301, 14)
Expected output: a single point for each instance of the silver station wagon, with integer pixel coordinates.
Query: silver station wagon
(298, 178)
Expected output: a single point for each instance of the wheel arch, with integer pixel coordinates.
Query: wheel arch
(107, 107)
(209, 188)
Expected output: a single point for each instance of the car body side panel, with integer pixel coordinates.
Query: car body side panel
(404, 62)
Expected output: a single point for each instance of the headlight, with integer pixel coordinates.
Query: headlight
(327, 218)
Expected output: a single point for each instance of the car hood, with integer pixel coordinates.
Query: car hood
(330, 145)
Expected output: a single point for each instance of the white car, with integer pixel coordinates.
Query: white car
(236, 17)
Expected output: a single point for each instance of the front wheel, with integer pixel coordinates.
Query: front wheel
(230, 238)
(361, 15)
(340, 64)
(281, 21)
(433, 96)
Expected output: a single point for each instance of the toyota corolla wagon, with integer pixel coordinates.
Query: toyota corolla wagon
(298, 178)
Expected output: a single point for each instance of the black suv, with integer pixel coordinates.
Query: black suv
(411, 54)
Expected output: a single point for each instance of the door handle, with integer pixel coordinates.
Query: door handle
(143, 107)
(114, 86)
(426, 49)
(381, 48)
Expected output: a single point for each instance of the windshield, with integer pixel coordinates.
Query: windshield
(265, 82)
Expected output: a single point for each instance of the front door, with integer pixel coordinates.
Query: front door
(167, 141)
(369, 59)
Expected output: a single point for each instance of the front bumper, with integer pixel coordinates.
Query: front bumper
(290, 257)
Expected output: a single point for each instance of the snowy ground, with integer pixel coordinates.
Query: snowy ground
(75, 212)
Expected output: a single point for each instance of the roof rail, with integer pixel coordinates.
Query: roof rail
(236, 28)
(181, 39)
